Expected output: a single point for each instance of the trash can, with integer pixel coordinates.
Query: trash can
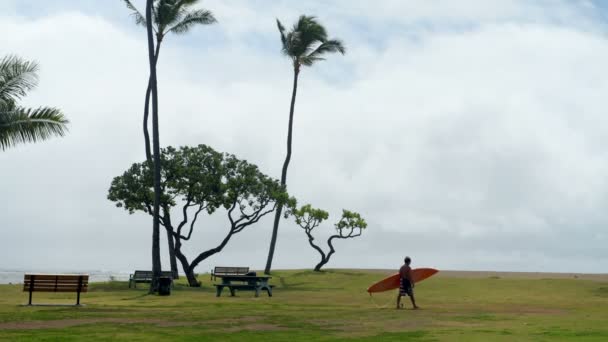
(164, 286)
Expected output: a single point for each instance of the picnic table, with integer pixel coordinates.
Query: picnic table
(243, 282)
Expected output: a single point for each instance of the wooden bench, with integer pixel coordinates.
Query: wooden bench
(56, 283)
(140, 276)
(223, 270)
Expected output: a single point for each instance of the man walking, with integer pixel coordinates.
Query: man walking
(406, 286)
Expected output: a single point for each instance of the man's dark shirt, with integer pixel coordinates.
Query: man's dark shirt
(405, 271)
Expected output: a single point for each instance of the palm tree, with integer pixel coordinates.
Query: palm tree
(304, 45)
(156, 265)
(168, 16)
(18, 124)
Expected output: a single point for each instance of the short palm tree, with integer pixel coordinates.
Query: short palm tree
(304, 45)
(18, 124)
(168, 16)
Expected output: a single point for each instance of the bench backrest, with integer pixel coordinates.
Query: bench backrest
(56, 282)
(147, 275)
(222, 270)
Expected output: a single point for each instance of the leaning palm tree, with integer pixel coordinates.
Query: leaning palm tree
(18, 124)
(168, 16)
(304, 45)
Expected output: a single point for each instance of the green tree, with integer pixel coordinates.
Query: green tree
(198, 180)
(19, 124)
(308, 218)
(304, 45)
(168, 16)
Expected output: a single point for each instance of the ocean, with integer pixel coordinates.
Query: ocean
(16, 276)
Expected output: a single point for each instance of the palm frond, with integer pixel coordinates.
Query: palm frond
(282, 32)
(307, 41)
(310, 33)
(197, 17)
(330, 46)
(309, 60)
(139, 18)
(17, 76)
(293, 44)
(21, 125)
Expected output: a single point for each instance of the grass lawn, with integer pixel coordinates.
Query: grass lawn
(322, 306)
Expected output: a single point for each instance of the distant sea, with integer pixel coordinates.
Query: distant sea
(16, 277)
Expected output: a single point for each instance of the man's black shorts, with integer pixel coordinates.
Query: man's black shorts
(405, 288)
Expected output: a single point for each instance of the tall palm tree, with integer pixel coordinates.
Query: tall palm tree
(168, 16)
(156, 265)
(18, 124)
(304, 45)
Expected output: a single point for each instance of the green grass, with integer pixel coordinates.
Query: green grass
(319, 306)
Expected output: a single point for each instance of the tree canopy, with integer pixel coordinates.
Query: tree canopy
(307, 42)
(200, 180)
(173, 16)
(350, 225)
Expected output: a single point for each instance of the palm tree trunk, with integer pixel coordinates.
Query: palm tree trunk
(156, 265)
(172, 258)
(277, 216)
(147, 107)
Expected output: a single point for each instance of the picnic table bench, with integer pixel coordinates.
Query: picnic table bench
(223, 270)
(56, 283)
(248, 281)
(140, 276)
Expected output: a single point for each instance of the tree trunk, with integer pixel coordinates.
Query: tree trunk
(189, 267)
(326, 258)
(192, 281)
(277, 216)
(147, 104)
(318, 249)
(188, 271)
(172, 258)
(156, 264)
(171, 244)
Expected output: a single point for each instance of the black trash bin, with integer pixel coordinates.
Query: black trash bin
(164, 286)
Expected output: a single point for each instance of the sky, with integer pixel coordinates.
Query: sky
(470, 135)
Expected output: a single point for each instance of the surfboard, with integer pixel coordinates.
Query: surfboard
(392, 282)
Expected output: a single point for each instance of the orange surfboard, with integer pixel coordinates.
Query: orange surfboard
(392, 282)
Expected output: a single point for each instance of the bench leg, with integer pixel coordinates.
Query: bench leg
(257, 291)
(231, 292)
(30, 301)
(218, 291)
(78, 298)
(269, 289)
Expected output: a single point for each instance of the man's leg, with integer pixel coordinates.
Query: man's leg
(399, 300)
(413, 299)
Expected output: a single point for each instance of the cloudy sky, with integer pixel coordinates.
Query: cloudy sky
(470, 134)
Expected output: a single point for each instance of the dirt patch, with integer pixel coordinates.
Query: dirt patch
(239, 320)
(65, 323)
(256, 327)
